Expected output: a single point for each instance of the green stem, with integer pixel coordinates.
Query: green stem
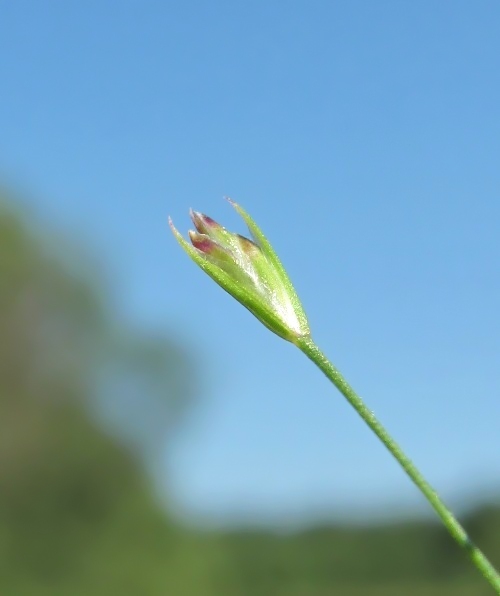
(311, 350)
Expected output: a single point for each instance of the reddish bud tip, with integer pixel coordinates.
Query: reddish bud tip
(247, 246)
(202, 222)
(201, 242)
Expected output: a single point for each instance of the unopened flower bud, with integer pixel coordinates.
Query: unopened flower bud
(249, 270)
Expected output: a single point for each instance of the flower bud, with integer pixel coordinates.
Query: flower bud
(249, 270)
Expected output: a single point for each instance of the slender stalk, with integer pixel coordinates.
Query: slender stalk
(311, 350)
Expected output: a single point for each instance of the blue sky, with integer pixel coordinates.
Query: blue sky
(364, 139)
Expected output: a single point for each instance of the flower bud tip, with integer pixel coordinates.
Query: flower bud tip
(201, 242)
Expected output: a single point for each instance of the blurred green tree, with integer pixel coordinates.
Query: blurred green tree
(77, 511)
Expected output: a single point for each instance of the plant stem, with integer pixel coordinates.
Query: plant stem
(311, 350)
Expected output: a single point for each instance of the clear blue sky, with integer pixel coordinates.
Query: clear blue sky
(364, 137)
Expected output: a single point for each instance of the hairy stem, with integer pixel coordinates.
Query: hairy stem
(310, 349)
